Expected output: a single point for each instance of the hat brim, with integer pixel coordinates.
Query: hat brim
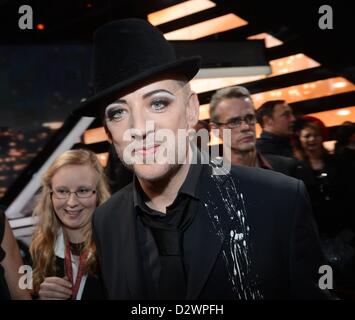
(92, 107)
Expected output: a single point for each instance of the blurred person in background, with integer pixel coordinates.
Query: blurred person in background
(330, 184)
(326, 179)
(345, 145)
(232, 108)
(62, 249)
(276, 120)
(10, 262)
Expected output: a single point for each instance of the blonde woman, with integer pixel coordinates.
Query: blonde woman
(62, 249)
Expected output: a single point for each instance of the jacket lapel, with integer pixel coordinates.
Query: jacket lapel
(132, 256)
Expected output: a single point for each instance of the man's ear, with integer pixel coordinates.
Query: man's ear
(267, 121)
(192, 110)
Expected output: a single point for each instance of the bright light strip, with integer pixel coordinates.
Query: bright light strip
(304, 91)
(270, 41)
(95, 135)
(53, 125)
(336, 117)
(179, 11)
(206, 28)
(343, 112)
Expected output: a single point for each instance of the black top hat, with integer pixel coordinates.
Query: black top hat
(127, 53)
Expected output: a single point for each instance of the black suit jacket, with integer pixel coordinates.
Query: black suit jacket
(269, 143)
(253, 237)
(288, 166)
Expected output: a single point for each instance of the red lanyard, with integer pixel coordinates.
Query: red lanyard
(69, 270)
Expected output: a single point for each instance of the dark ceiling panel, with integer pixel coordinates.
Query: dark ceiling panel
(336, 101)
(289, 79)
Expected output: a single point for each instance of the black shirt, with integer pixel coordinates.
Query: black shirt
(162, 248)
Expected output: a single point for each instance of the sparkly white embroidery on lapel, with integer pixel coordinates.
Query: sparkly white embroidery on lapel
(227, 212)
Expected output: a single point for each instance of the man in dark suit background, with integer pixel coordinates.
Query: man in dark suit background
(232, 108)
(277, 120)
(182, 230)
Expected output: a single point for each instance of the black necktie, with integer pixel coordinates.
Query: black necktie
(172, 281)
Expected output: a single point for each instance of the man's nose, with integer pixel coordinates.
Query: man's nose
(311, 138)
(139, 124)
(244, 126)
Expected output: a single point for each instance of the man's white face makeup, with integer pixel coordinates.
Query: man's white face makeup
(148, 127)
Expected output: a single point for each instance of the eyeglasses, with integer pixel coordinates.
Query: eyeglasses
(236, 122)
(65, 194)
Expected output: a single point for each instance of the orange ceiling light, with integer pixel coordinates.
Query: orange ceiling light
(209, 84)
(336, 117)
(103, 158)
(270, 41)
(343, 112)
(95, 135)
(53, 125)
(296, 62)
(305, 91)
(204, 112)
(206, 28)
(179, 11)
(293, 63)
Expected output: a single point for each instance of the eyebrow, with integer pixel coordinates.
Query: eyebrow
(239, 117)
(149, 94)
(145, 96)
(286, 112)
(65, 187)
(233, 118)
(119, 101)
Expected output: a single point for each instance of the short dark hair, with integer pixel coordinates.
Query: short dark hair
(267, 109)
(237, 92)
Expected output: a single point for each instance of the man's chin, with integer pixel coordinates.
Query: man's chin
(246, 147)
(152, 172)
